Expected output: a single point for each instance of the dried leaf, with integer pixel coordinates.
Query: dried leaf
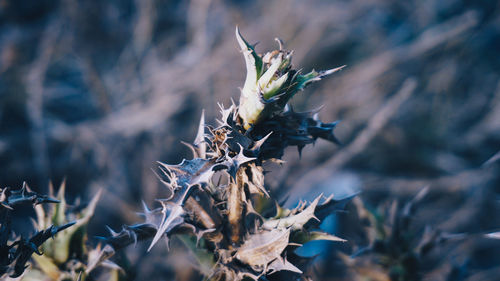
(202, 210)
(172, 216)
(262, 248)
(282, 264)
(97, 256)
(190, 172)
(254, 177)
(235, 201)
(295, 222)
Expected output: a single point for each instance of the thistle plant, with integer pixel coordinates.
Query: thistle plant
(396, 251)
(219, 205)
(68, 256)
(271, 82)
(15, 252)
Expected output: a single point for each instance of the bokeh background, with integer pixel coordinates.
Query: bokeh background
(95, 92)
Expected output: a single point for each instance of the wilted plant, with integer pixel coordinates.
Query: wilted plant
(15, 252)
(218, 204)
(68, 256)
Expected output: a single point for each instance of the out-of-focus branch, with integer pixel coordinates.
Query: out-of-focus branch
(35, 90)
(358, 83)
(143, 30)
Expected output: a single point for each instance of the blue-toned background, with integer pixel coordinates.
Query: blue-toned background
(97, 91)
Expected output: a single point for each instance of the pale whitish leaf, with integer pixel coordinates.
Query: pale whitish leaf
(262, 248)
(97, 256)
(250, 103)
(272, 88)
(190, 172)
(254, 179)
(268, 75)
(230, 274)
(252, 60)
(296, 221)
(153, 217)
(282, 264)
(172, 216)
(226, 113)
(234, 163)
(187, 174)
(240, 158)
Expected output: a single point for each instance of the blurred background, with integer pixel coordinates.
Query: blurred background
(95, 92)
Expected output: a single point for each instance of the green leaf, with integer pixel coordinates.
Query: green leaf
(274, 87)
(304, 80)
(47, 266)
(59, 248)
(59, 216)
(269, 74)
(252, 59)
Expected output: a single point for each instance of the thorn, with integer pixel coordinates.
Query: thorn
(330, 71)
(166, 184)
(199, 141)
(111, 231)
(191, 147)
(299, 148)
(175, 212)
(241, 158)
(6, 206)
(131, 233)
(259, 143)
(145, 207)
(51, 189)
(24, 188)
(280, 42)
(167, 243)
